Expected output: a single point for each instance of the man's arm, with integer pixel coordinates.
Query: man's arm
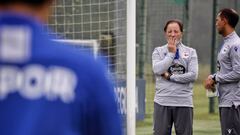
(161, 65)
(234, 75)
(192, 73)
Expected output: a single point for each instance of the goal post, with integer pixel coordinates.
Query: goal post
(131, 67)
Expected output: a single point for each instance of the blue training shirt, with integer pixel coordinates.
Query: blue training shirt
(50, 89)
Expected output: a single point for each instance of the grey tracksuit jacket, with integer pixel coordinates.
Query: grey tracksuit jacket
(228, 74)
(178, 90)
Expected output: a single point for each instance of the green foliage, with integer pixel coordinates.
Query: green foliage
(180, 1)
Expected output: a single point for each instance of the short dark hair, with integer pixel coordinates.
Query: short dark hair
(231, 15)
(174, 21)
(30, 2)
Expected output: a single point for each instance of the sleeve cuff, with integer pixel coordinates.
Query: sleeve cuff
(216, 78)
(171, 77)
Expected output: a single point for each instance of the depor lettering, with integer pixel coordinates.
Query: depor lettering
(36, 81)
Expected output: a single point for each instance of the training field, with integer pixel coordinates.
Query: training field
(204, 123)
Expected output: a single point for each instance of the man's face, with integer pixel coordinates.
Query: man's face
(220, 24)
(173, 31)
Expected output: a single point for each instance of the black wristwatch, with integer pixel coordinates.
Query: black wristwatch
(214, 78)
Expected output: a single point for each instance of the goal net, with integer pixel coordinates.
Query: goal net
(100, 20)
(103, 24)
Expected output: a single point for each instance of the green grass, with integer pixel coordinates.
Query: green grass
(204, 123)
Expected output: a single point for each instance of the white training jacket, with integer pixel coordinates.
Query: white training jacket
(178, 90)
(228, 74)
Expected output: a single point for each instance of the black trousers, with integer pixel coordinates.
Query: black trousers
(165, 116)
(230, 120)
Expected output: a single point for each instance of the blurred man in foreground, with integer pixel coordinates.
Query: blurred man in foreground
(227, 78)
(42, 91)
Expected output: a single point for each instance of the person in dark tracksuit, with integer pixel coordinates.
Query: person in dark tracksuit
(227, 77)
(49, 88)
(176, 68)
